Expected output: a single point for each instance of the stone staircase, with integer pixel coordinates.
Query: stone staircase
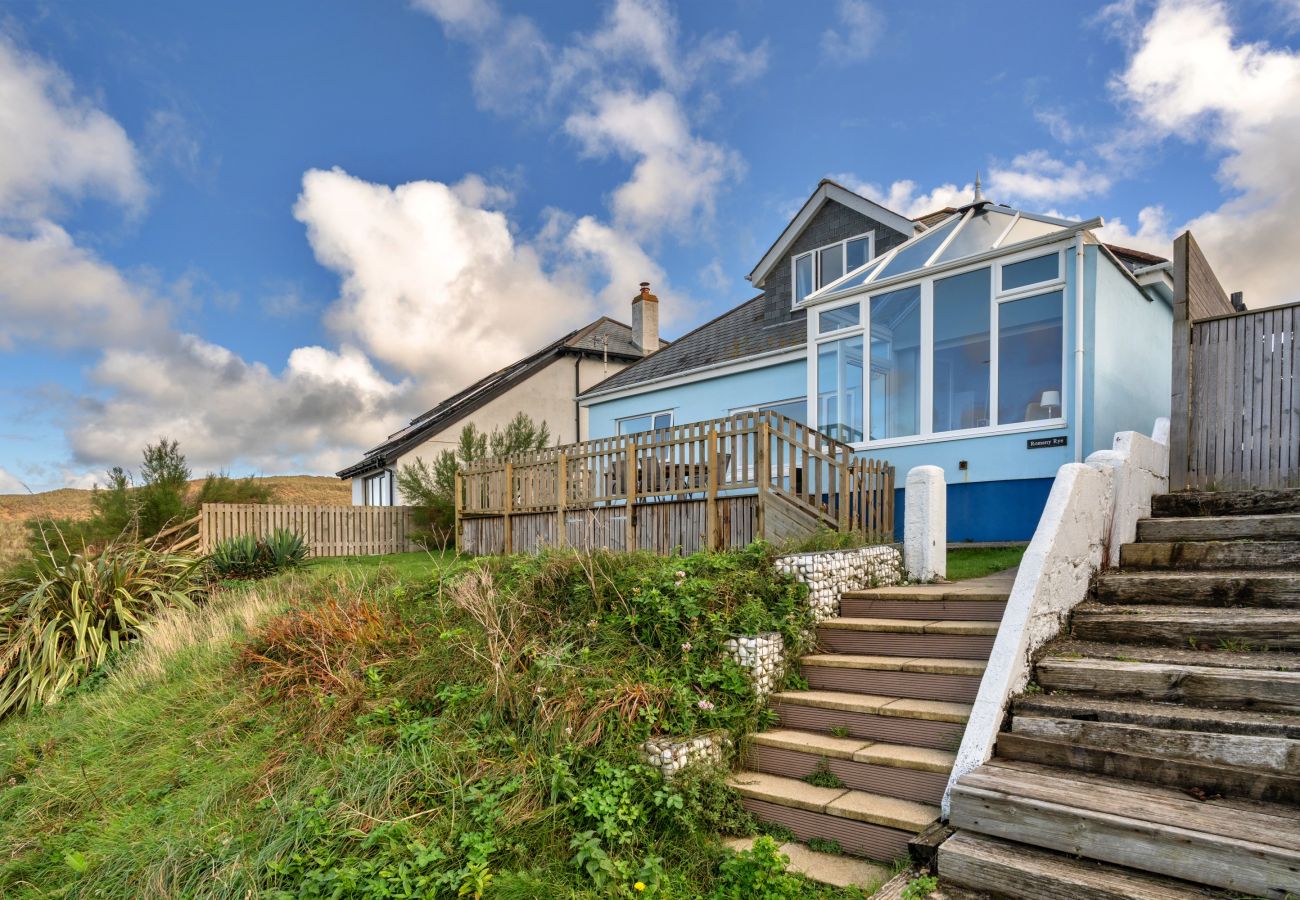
(1161, 757)
(888, 700)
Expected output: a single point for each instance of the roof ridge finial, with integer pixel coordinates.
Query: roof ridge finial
(979, 194)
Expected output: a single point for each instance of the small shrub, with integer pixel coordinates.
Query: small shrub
(824, 845)
(758, 872)
(249, 557)
(822, 776)
(920, 887)
(61, 618)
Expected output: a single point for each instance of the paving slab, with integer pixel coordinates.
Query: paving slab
(844, 701)
(826, 868)
(889, 812)
(810, 742)
(902, 756)
(784, 791)
(931, 710)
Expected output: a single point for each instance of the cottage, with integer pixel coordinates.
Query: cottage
(993, 342)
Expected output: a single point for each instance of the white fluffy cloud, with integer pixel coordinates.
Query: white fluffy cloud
(54, 145)
(1191, 75)
(855, 34)
(10, 484)
(433, 285)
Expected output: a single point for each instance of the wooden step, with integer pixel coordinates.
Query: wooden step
(956, 638)
(910, 773)
(1235, 845)
(923, 677)
(1215, 628)
(1209, 779)
(1226, 503)
(1275, 660)
(1261, 753)
(1220, 528)
(862, 823)
(922, 607)
(979, 862)
(893, 720)
(1153, 715)
(1250, 589)
(1211, 555)
(1197, 685)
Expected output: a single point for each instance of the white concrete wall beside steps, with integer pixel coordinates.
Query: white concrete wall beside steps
(1092, 510)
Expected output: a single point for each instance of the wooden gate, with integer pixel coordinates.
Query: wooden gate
(1235, 421)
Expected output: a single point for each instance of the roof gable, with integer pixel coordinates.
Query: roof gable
(826, 191)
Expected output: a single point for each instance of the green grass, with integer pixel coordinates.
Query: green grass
(976, 562)
(417, 566)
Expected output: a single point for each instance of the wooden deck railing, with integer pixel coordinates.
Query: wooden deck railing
(795, 479)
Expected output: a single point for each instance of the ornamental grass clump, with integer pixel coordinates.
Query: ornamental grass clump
(247, 556)
(62, 616)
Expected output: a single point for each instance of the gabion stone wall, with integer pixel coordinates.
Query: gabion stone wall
(671, 755)
(832, 572)
(763, 655)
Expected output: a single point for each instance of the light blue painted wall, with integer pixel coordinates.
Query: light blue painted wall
(709, 399)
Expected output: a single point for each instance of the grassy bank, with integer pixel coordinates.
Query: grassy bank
(412, 726)
(976, 562)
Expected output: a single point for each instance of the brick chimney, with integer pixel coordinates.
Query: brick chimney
(645, 320)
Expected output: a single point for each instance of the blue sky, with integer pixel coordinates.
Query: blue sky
(277, 231)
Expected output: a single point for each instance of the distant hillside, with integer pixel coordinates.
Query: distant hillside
(70, 503)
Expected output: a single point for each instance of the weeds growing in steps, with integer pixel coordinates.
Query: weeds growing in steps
(373, 738)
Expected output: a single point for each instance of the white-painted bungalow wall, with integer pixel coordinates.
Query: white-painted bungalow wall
(548, 395)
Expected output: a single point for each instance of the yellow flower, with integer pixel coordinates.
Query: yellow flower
(640, 885)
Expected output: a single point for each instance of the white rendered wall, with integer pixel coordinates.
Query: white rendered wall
(925, 524)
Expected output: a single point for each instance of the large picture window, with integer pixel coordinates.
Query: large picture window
(895, 401)
(379, 489)
(820, 267)
(1029, 358)
(839, 389)
(646, 422)
(961, 351)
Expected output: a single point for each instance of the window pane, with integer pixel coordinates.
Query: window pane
(839, 389)
(914, 257)
(832, 264)
(961, 351)
(856, 253)
(833, 319)
(1031, 271)
(803, 277)
(859, 279)
(896, 364)
(664, 420)
(791, 409)
(1027, 228)
(1029, 358)
(634, 424)
(976, 236)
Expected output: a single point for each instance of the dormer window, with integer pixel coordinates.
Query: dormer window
(820, 267)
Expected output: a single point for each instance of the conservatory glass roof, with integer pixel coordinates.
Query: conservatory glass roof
(971, 230)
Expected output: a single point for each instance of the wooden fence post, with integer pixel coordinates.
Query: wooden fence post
(508, 501)
(846, 485)
(761, 475)
(711, 504)
(1180, 399)
(460, 509)
(561, 499)
(630, 475)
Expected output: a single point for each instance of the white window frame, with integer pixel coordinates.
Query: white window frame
(390, 487)
(816, 252)
(618, 423)
(996, 298)
(755, 407)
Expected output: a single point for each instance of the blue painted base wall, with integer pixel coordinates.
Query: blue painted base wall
(988, 510)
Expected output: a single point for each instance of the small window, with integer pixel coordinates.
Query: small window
(647, 422)
(796, 409)
(1038, 270)
(817, 268)
(379, 489)
(841, 317)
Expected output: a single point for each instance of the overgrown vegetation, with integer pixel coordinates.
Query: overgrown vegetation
(429, 487)
(63, 614)
(247, 556)
(324, 734)
(825, 539)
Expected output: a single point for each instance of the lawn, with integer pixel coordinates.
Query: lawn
(419, 566)
(976, 562)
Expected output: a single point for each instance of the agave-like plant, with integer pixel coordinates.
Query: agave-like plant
(62, 615)
(248, 557)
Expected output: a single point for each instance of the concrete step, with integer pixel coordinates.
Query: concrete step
(893, 720)
(981, 863)
(939, 638)
(1206, 778)
(834, 869)
(1211, 555)
(930, 602)
(1235, 845)
(1189, 626)
(909, 773)
(1247, 589)
(1226, 503)
(1192, 684)
(922, 677)
(1220, 528)
(862, 823)
(1148, 715)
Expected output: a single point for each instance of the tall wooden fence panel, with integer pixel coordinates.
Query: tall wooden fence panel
(328, 530)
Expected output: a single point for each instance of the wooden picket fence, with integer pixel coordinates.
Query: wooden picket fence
(716, 484)
(1236, 392)
(328, 530)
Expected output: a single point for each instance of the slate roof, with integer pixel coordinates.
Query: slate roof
(605, 335)
(1135, 259)
(737, 333)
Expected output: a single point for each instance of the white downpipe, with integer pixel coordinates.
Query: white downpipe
(1078, 347)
